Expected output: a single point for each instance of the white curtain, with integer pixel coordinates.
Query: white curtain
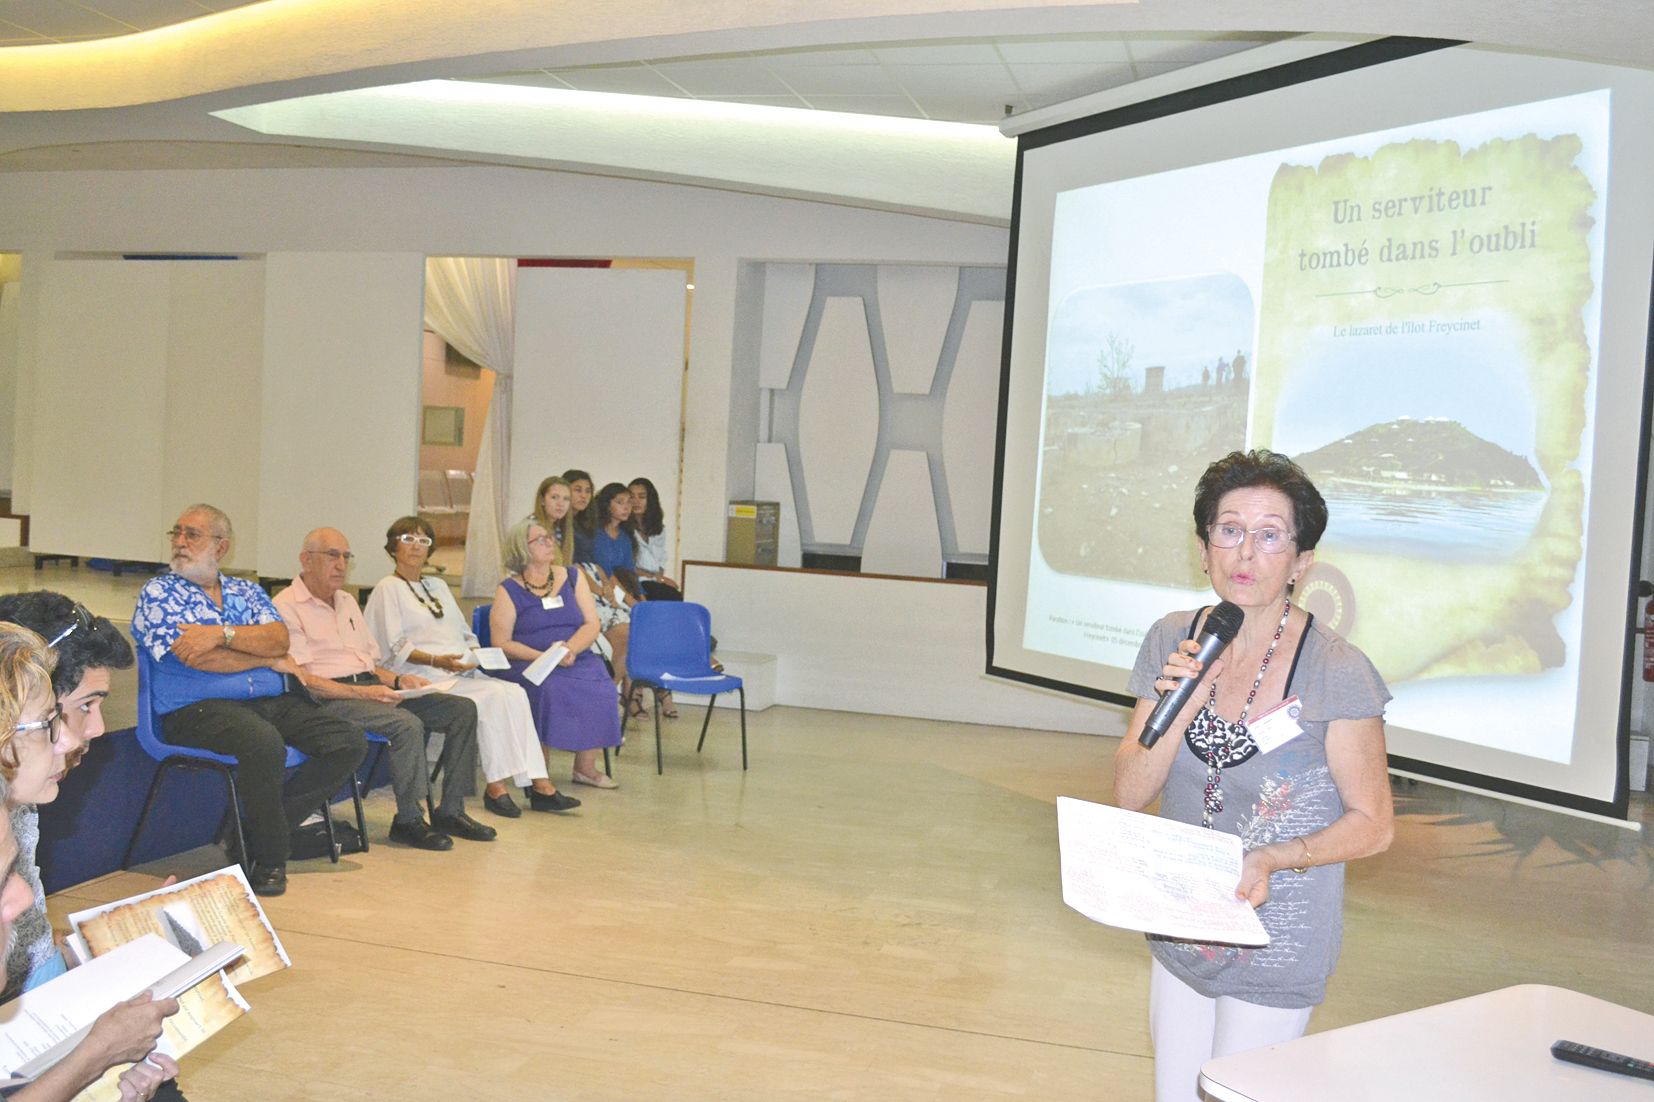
(470, 302)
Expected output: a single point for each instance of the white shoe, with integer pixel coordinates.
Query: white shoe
(595, 780)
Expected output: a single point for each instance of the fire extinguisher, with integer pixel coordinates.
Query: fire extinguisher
(1648, 633)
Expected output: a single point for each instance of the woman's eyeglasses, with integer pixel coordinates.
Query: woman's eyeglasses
(48, 724)
(1269, 539)
(415, 539)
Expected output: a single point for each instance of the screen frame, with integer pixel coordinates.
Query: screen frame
(1269, 79)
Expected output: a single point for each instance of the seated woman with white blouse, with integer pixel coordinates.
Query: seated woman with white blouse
(419, 628)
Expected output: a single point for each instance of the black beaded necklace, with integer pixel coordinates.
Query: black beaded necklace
(1221, 743)
(424, 597)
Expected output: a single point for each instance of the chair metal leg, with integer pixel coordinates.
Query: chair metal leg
(332, 840)
(356, 783)
(234, 812)
(137, 828)
(361, 818)
(743, 693)
(430, 797)
(659, 768)
(607, 772)
(707, 722)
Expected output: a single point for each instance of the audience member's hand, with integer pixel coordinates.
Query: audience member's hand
(140, 1081)
(126, 1032)
(379, 694)
(414, 681)
(453, 662)
(285, 664)
(195, 640)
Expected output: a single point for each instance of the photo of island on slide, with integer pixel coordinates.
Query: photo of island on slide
(1425, 353)
(1421, 338)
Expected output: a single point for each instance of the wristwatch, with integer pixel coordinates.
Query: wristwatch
(229, 635)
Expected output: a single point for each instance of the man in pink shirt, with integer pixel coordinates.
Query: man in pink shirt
(339, 663)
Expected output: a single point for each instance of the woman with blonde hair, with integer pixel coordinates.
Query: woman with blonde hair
(546, 608)
(35, 745)
(554, 510)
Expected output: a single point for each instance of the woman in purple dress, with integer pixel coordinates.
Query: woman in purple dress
(540, 607)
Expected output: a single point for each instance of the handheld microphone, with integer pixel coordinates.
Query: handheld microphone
(1221, 626)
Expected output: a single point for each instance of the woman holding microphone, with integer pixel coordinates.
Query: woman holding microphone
(1283, 745)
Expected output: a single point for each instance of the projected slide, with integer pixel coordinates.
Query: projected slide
(1413, 315)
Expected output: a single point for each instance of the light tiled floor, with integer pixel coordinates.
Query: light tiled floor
(872, 912)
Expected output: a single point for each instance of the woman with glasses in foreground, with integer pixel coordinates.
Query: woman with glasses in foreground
(420, 629)
(1282, 745)
(38, 743)
(86, 650)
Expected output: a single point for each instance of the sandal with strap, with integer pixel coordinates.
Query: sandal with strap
(667, 708)
(634, 705)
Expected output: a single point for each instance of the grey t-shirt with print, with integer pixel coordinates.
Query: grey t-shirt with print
(1271, 797)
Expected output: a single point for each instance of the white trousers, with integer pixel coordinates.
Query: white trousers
(506, 742)
(1188, 1029)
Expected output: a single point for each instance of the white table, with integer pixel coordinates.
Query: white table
(1495, 1046)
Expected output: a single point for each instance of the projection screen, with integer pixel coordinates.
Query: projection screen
(1420, 269)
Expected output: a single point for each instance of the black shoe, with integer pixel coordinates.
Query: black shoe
(463, 826)
(418, 834)
(539, 801)
(309, 842)
(268, 879)
(503, 805)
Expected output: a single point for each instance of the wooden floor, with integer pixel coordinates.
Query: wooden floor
(871, 912)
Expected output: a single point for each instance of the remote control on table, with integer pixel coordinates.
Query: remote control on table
(1601, 1059)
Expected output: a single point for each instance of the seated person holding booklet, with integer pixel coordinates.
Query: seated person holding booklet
(420, 629)
(35, 743)
(545, 610)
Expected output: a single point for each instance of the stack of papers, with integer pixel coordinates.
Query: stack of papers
(1141, 872)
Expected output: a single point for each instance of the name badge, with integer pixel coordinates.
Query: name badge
(1278, 726)
(554, 600)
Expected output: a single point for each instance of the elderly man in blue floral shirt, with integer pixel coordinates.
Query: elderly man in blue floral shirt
(221, 683)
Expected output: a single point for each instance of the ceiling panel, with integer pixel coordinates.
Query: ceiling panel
(1187, 49)
(57, 19)
(1062, 51)
(971, 79)
(635, 80)
(939, 53)
(853, 80)
(867, 105)
(956, 81)
(32, 22)
(721, 77)
(145, 14)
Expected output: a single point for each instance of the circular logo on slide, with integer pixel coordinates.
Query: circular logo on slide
(1326, 593)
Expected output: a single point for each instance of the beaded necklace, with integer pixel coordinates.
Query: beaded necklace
(538, 590)
(423, 596)
(1229, 743)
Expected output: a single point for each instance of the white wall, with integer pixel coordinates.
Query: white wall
(887, 646)
(492, 212)
(104, 494)
(599, 378)
(8, 379)
(340, 418)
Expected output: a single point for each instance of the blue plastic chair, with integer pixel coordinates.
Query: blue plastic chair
(168, 756)
(671, 648)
